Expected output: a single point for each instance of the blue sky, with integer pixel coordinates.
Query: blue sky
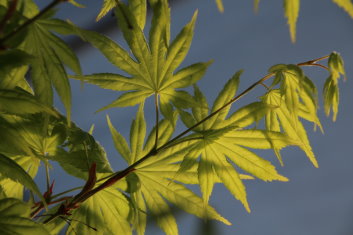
(314, 201)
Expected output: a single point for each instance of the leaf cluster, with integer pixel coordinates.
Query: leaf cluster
(219, 145)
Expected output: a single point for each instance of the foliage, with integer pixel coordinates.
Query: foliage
(216, 147)
(291, 11)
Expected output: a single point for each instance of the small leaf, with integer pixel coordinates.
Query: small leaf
(331, 97)
(336, 65)
(291, 11)
(107, 6)
(220, 5)
(13, 188)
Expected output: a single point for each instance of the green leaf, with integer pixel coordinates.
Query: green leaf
(128, 99)
(225, 141)
(331, 97)
(112, 81)
(157, 172)
(13, 188)
(119, 141)
(107, 212)
(247, 115)
(220, 5)
(10, 169)
(137, 135)
(48, 69)
(309, 106)
(256, 5)
(107, 6)
(293, 128)
(139, 9)
(347, 5)
(228, 92)
(291, 11)
(331, 91)
(14, 218)
(76, 4)
(188, 75)
(79, 152)
(336, 65)
(152, 67)
(113, 52)
(12, 142)
(229, 177)
(20, 103)
(201, 110)
(134, 37)
(250, 162)
(178, 49)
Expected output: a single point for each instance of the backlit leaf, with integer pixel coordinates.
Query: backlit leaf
(291, 11)
(347, 5)
(10, 169)
(14, 218)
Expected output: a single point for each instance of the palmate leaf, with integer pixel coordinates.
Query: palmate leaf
(281, 117)
(151, 185)
(290, 78)
(14, 67)
(51, 54)
(27, 7)
(13, 188)
(152, 67)
(79, 151)
(10, 169)
(223, 140)
(331, 91)
(14, 218)
(107, 212)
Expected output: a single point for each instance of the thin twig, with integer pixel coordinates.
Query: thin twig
(264, 85)
(318, 65)
(67, 191)
(30, 21)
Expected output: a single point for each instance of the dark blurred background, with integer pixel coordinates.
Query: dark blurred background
(314, 201)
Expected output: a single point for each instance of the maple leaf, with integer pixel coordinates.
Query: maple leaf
(331, 91)
(151, 184)
(14, 218)
(49, 55)
(221, 142)
(281, 118)
(152, 67)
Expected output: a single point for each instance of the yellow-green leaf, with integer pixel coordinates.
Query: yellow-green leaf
(291, 11)
(347, 5)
